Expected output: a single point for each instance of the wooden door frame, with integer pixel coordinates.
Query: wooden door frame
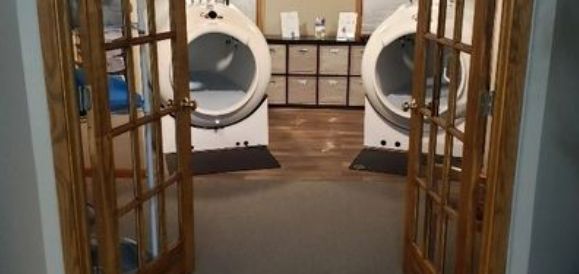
(57, 52)
(514, 45)
(66, 141)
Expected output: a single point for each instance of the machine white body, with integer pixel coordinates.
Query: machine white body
(387, 69)
(381, 134)
(253, 130)
(230, 67)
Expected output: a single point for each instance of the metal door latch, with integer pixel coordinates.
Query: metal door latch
(189, 104)
(410, 105)
(170, 103)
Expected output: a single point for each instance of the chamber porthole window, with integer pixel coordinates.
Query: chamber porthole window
(221, 70)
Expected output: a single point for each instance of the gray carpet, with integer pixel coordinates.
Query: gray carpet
(299, 228)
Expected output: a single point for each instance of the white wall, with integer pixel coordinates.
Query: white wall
(248, 7)
(555, 239)
(545, 217)
(376, 11)
(29, 230)
(530, 140)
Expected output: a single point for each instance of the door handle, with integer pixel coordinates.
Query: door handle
(413, 105)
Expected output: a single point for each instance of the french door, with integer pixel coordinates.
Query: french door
(444, 214)
(144, 216)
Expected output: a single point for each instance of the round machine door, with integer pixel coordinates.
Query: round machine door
(223, 76)
(391, 95)
(229, 66)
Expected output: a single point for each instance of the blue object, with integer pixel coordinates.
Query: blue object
(129, 251)
(118, 94)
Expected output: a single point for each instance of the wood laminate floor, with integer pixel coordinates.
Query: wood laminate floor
(314, 145)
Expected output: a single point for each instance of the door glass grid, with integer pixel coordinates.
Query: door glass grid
(437, 182)
(144, 201)
(145, 128)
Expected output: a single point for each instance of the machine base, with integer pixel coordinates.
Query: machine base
(251, 132)
(227, 160)
(381, 161)
(379, 133)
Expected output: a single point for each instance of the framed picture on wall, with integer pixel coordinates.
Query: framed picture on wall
(347, 25)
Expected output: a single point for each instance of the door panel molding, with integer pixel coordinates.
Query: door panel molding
(475, 131)
(65, 133)
(511, 75)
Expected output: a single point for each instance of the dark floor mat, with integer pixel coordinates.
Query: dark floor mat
(228, 160)
(381, 161)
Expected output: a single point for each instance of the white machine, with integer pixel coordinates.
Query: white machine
(387, 71)
(230, 67)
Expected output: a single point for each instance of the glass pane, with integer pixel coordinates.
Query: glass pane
(172, 215)
(153, 165)
(424, 148)
(162, 15)
(124, 171)
(450, 19)
(450, 16)
(468, 21)
(115, 58)
(140, 17)
(430, 73)
(462, 92)
(169, 147)
(453, 83)
(420, 218)
(434, 8)
(123, 82)
(151, 226)
(433, 230)
(112, 19)
(165, 70)
(450, 245)
(455, 175)
(122, 146)
(128, 243)
(437, 180)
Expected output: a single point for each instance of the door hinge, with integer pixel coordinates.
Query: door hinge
(84, 99)
(488, 102)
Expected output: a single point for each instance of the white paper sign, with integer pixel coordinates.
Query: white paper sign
(347, 26)
(290, 25)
